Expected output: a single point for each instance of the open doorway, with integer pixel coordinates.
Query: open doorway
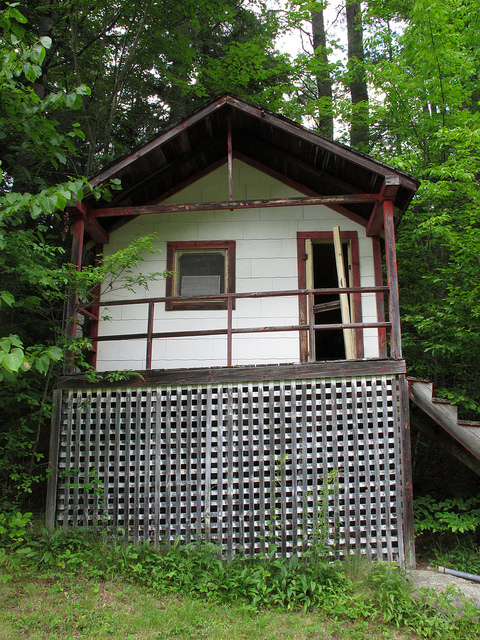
(318, 270)
(329, 344)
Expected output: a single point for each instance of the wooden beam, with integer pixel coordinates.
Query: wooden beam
(425, 424)
(307, 371)
(392, 277)
(299, 187)
(234, 204)
(316, 172)
(406, 471)
(344, 303)
(379, 297)
(230, 157)
(92, 226)
(114, 169)
(445, 415)
(388, 191)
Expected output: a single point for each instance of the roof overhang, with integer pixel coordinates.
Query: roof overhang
(349, 181)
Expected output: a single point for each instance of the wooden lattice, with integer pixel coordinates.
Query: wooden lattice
(238, 463)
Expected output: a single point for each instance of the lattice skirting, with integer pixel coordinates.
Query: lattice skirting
(238, 464)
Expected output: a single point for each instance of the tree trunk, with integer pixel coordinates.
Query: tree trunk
(323, 79)
(357, 80)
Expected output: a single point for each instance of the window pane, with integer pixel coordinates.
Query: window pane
(193, 265)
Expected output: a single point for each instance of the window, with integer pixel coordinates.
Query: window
(200, 269)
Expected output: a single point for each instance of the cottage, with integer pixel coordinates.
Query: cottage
(271, 401)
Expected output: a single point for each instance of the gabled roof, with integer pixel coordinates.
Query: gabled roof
(306, 160)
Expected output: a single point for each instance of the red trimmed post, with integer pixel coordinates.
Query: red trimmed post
(392, 281)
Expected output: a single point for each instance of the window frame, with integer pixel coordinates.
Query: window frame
(228, 246)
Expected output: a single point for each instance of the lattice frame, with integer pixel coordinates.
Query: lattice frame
(238, 464)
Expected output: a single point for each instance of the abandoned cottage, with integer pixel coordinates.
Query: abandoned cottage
(271, 400)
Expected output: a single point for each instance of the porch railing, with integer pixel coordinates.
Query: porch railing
(310, 327)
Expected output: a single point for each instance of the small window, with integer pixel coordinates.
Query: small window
(200, 269)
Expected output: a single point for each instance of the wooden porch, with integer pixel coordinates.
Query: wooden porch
(310, 311)
(239, 456)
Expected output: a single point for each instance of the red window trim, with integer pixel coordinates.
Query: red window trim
(172, 247)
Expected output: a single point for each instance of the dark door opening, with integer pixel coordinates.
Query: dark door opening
(329, 344)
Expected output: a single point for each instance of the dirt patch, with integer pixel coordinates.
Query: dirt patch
(430, 579)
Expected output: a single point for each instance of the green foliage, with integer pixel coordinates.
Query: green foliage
(198, 570)
(13, 528)
(449, 531)
(455, 515)
(149, 64)
(35, 277)
(427, 122)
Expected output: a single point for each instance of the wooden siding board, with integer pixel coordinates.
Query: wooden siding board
(230, 488)
(304, 477)
(217, 375)
(158, 449)
(53, 459)
(166, 428)
(188, 462)
(251, 472)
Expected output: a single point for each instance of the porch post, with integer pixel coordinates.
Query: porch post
(392, 280)
(407, 479)
(52, 480)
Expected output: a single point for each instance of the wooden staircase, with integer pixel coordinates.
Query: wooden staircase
(465, 433)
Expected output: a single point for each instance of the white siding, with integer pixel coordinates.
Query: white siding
(266, 260)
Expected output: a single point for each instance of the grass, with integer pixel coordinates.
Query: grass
(72, 607)
(79, 585)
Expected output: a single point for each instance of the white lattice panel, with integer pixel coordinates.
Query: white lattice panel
(236, 463)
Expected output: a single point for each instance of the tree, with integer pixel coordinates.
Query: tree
(33, 267)
(149, 64)
(356, 76)
(428, 123)
(313, 74)
(323, 79)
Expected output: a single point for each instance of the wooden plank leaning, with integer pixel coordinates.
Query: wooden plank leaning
(348, 334)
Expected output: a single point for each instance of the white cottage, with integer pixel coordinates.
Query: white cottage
(262, 359)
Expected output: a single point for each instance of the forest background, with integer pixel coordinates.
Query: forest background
(83, 82)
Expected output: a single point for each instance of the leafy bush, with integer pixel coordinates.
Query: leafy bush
(455, 515)
(378, 591)
(450, 529)
(13, 528)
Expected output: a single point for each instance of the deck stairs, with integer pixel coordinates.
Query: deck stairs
(465, 433)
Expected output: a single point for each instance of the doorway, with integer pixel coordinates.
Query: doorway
(318, 270)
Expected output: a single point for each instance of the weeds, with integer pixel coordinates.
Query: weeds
(355, 590)
(449, 530)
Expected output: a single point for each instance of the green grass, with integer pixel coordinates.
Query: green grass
(81, 585)
(69, 607)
